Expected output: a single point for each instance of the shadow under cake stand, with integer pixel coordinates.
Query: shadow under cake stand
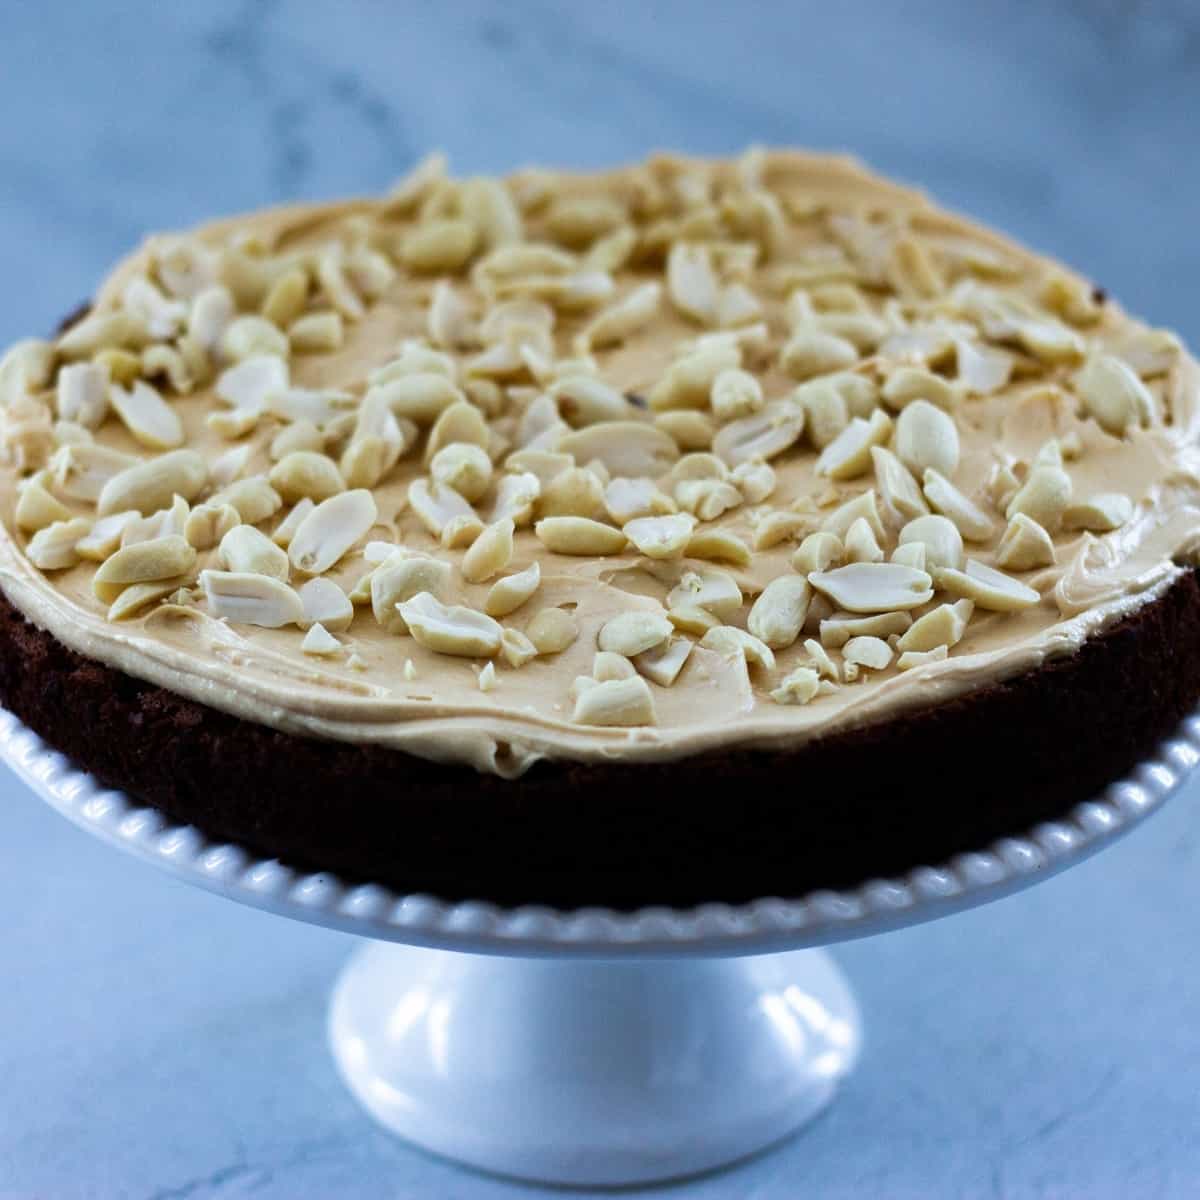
(593, 1046)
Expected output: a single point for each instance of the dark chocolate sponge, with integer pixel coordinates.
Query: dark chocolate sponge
(729, 826)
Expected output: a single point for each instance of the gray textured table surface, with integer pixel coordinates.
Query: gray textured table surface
(158, 1042)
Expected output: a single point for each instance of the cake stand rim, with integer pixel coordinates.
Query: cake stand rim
(765, 925)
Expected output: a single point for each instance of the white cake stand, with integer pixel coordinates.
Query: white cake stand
(595, 1047)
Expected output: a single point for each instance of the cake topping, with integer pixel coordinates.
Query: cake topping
(662, 663)
(941, 626)
(860, 544)
(508, 594)
(778, 615)
(608, 664)
(319, 641)
(633, 632)
(911, 659)
(865, 652)
(579, 536)
(818, 552)
(244, 548)
(143, 562)
(989, 588)
(736, 643)
(489, 553)
(1103, 513)
(401, 577)
(552, 630)
(849, 454)
(866, 587)
(516, 648)
(53, 547)
(36, 507)
(330, 530)
(798, 687)
(1112, 393)
(939, 535)
(83, 393)
(926, 437)
(736, 426)
(837, 630)
(450, 629)
(251, 598)
(616, 702)
(1024, 545)
(326, 604)
(661, 537)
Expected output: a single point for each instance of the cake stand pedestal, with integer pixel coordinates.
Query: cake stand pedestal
(592, 1071)
(596, 1047)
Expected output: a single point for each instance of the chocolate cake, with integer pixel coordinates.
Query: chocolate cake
(691, 531)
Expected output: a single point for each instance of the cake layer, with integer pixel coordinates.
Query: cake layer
(869, 803)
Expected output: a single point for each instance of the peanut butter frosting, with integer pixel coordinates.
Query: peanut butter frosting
(677, 457)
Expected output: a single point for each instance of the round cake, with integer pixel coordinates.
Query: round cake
(694, 530)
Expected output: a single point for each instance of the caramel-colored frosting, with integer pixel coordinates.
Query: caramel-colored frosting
(796, 243)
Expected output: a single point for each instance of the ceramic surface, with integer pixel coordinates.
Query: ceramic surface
(711, 929)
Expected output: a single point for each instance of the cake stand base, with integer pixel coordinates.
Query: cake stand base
(585, 1071)
(664, 1054)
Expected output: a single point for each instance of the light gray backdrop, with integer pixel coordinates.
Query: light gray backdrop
(158, 1042)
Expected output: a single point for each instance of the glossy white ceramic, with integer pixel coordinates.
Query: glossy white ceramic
(595, 1046)
(592, 1071)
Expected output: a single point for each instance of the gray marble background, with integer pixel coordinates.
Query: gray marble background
(156, 1042)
